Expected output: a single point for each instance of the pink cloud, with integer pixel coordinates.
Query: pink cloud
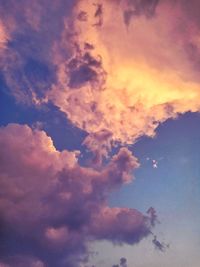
(53, 206)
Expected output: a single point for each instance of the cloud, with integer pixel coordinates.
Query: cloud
(143, 85)
(103, 76)
(115, 82)
(83, 68)
(99, 143)
(28, 32)
(152, 212)
(51, 207)
(158, 245)
(23, 261)
(3, 36)
(138, 8)
(123, 263)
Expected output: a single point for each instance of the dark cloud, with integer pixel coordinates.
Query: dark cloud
(98, 14)
(138, 8)
(81, 75)
(82, 16)
(152, 213)
(84, 68)
(158, 245)
(122, 263)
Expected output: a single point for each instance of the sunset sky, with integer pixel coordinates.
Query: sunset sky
(99, 133)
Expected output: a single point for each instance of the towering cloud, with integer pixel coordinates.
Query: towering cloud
(127, 79)
(124, 71)
(51, 207)
(116, 69)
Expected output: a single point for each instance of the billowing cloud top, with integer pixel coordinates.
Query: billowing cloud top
(121, 66)
(116, 69)
(132, 66)
(51, 206)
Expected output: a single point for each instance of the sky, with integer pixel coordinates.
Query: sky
(99, 133)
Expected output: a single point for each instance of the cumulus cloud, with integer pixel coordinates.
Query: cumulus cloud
(143, 84)
(116, 75)
(51, 207)
(100, 73)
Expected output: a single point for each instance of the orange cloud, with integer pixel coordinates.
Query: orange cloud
(149, 76)
(3, 35)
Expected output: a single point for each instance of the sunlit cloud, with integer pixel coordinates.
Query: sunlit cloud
(3, 36)
(116, 69)
(128, 78)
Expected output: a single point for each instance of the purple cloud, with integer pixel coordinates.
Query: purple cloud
(123, 263)
(51, 206)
